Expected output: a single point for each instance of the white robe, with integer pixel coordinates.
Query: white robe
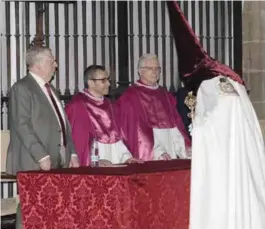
(228, 161)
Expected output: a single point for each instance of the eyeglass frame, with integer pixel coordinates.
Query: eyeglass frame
(104, 80)
(153, 68)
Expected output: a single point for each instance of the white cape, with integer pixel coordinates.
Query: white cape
(228, 160)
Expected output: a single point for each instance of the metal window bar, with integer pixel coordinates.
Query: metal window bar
(86, 32)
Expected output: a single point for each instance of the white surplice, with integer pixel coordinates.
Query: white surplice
(228, 160)
(116, 153)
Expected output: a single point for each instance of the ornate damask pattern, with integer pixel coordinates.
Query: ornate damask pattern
(66, 201)
(160, 200)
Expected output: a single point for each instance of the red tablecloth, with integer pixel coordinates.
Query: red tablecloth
(151, 195)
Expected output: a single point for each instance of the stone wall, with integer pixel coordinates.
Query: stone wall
(254, 55)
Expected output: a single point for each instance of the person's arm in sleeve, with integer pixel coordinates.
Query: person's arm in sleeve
(80, 131)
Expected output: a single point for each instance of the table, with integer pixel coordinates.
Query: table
(140, 196)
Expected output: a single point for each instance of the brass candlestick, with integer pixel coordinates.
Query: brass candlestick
(190, 102)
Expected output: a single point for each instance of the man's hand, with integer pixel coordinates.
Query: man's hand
(133, 160)
(45, 163)
(104, 163)
(165, 156)
(74, 163)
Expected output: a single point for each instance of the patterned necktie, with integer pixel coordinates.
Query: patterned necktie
(58, 112)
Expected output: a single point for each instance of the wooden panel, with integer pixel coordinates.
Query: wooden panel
(4, 145)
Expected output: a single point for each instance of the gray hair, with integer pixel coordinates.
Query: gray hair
(35, 55)
(143, 58)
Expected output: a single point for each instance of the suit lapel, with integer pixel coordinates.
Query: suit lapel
(35, 87)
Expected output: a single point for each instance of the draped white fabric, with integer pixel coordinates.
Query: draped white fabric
(228, 161)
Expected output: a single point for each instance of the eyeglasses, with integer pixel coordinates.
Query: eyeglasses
(158, 69)
(51, 60)
(104, 80)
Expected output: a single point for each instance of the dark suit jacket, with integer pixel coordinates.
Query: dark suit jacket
(34, 129)
(182, 108)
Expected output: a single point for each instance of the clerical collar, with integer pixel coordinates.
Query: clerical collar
(140, 83)
(88, 94)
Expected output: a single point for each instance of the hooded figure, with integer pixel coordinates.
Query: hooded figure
(228, 156)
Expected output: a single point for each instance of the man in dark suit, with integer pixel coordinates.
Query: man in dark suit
(40, 136)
